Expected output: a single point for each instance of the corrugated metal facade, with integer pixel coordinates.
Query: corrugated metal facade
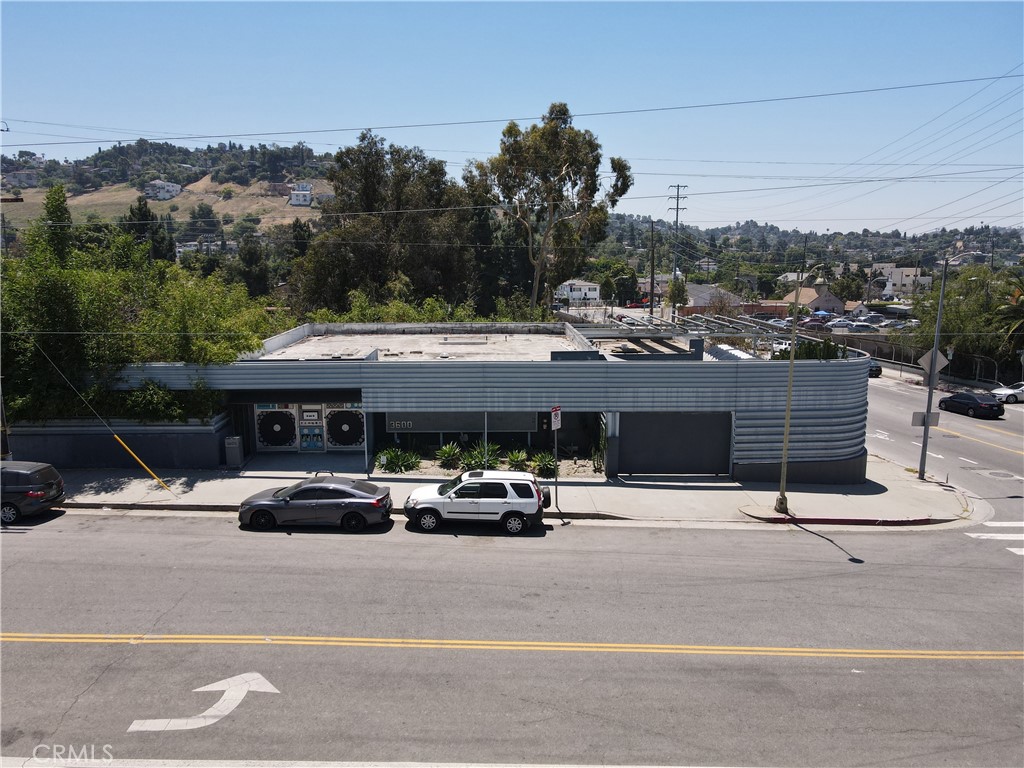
(829, 413)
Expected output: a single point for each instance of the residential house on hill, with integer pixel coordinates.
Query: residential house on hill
(817, 297)
(703, 298)
(577, 291)
(301, 194)
(161, 190)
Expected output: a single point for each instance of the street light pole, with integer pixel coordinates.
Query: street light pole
(781, 503)
(932, 373)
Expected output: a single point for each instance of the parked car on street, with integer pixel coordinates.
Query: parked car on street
(839, 322)
(861, 328)
(1010, 393)
(513, 499)
(320, 500)
(874, 369)
(979, 406)
(28, 487)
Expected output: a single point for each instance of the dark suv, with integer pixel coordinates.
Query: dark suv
(28, 487)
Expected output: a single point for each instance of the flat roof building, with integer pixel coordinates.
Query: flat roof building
(645, 394)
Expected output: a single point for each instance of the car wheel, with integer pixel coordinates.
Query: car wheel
(1011, 399)
(428, 520)
(262, 520)
(353, 522)
(942, 406)
(514, 524)
(970, 412)
(8, 513)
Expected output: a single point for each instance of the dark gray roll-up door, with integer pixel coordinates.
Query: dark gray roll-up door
(675, 443)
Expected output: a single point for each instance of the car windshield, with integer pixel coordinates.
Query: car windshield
(292, 488)
(445, 488)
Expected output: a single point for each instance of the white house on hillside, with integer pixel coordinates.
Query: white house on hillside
(578, 290)
(161, 190)
(301, 194)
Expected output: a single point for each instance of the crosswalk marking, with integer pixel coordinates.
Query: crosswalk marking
(1003, 536)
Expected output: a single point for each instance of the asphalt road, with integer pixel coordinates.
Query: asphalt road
(767, 647)
(984, 456)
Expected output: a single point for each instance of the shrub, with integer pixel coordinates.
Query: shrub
(481, 456)
(449, 456)
(544, 464)
(395, 460)
(518, 460)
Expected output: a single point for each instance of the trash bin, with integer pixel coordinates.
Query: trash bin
(233, 452)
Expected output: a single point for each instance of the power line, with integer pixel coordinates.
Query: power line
(606, 113)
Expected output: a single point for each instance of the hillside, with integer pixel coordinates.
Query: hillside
(110, 203)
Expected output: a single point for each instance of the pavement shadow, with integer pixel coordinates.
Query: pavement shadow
(371, 530)
(31, 521)
(107, 484)
(488, 530)
(868, 488)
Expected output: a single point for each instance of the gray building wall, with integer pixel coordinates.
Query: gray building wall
(77, 445)
(829, 398)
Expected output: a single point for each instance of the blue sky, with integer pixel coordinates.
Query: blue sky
(912, 159)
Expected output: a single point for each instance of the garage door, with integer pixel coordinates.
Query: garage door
(675, 443)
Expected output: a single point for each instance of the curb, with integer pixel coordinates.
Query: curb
(558, 514)
(784, 520)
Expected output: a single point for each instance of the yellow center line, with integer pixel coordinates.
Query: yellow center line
(983, 442)
(509, 645)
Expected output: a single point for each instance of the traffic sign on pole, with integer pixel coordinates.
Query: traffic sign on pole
(556, 417)
(926, 361)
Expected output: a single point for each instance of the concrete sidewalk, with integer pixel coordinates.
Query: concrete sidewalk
(893, 496)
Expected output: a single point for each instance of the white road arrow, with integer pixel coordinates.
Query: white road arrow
(234, 689)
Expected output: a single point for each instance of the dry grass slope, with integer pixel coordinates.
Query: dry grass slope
(110, 203)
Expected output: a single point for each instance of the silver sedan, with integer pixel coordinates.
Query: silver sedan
(321, 500)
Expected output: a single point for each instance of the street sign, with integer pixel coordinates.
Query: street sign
(556, 417)
(917, 419)
(926, 361)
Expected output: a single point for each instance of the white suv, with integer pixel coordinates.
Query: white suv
(513, 499)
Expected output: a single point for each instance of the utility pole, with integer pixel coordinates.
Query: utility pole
(650, 296)
(677, 243)
(675, 252)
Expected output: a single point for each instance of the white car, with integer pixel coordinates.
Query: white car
(839, 323)
(513, 499)
(1010, 393)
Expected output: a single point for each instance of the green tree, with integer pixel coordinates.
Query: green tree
(253, 268)
(546, 178)
(56, 224)
(146, 227)
(400, 233)
(971, 324)
(202, 222)
(1010, 313)
(850, 287)
(677, 293)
